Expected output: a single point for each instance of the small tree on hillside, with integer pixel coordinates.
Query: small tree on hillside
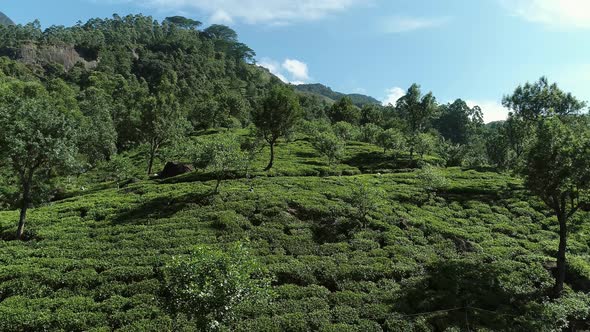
(556, 170)
(391, 139)
(345, 131)
(424, 144)
(431, 180)
(363, 199)
(37, 135)
(279, 112)
(329, 146)
(209, 284)
(222, 156)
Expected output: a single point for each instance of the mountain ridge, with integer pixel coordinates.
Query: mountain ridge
(5, 20)
(327, 92)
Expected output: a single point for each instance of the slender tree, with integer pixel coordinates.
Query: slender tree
(557, 171)
(37, 135)
(417, 112)
(279, 112)
(163, 120)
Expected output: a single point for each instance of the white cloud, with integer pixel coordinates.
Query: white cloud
(492, 110)
(297, 69)
(557, 13)
(256, 11)
(393, 95)
(399, 24)
(221, 17)
(290, 71)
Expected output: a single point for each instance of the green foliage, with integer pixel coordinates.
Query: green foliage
(222, 156)
(276, 118)
(208, 284)
(344, 110)
(370, 133)
(328, 145)
(431, 180)
(391, 139)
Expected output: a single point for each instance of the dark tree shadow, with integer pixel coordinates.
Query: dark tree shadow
(376, 161)
(464, 291)
(162, 207)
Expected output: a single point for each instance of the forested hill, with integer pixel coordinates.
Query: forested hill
(324, 91)
(5, 20)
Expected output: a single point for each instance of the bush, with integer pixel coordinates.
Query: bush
(329, 145)
(209, 283)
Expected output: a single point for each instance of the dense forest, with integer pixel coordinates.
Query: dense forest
(154, 178)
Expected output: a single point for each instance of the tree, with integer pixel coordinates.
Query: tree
(457, 122)
(557, 171)
(345, 131)
(344, 110)
(37, 135)
(391, 139)
(279, 112)
(163, 120)
(208, 284)
(431, 180)
(183, 22)
(99, 137)
(424, 144)
(222, 155)
(370, 133)
(540, 99)
(529, 103)
(363, 199)
(417, 112)
(329, 145)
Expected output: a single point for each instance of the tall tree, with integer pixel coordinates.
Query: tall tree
(457, 121)
(417, 112)
(37, 135)
(344, 110)
(163, 120)
(534, 100)
(556, 163)
(279, 112)
(557, 171)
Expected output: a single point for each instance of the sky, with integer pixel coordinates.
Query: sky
(477, 50)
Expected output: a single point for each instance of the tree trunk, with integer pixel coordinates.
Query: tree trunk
(23, 210)
(272, 156)
(217, 186)
(412, 153)
(561, 261)
(153, 149)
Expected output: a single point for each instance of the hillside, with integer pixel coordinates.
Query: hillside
(96, 256)
(153, 178)
(5, 20)
(324, 91)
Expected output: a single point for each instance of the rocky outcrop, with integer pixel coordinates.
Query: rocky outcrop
(172, 169)
(44, 55)
(5, 20)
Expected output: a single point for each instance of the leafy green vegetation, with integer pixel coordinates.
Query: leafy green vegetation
(406, 217)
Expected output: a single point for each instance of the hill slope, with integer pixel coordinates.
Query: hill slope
(481, 243)
(5, 20)
(324, 91)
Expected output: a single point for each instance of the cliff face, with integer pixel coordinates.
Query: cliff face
(50, 54)
(5, 20)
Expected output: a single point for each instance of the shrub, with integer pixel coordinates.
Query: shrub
(208, 284)
(329, 145)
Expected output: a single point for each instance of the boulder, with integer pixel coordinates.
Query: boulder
(172, 169)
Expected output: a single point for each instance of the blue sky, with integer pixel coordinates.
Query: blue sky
(474, 50)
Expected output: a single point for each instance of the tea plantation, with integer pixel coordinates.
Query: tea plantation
(475, 255)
